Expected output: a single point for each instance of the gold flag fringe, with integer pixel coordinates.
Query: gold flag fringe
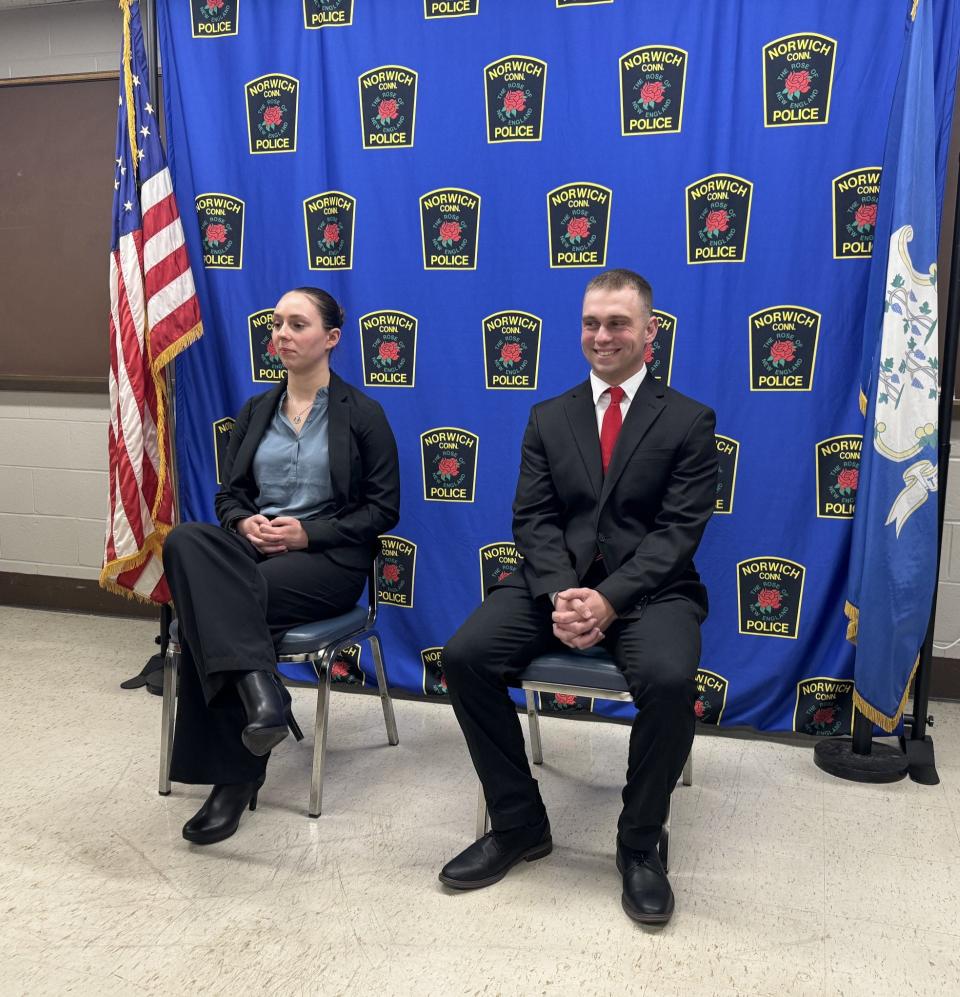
(152, 545)
(853, 615)
(883, 721)
(160, 386)
(889, 724)
(127, 70)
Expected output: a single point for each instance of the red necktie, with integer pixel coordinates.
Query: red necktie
(610, 429)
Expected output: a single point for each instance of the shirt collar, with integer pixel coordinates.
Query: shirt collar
(630, 385)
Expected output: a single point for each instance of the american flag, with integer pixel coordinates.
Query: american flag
(154, 314)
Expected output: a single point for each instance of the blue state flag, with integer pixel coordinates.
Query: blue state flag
(894, 549)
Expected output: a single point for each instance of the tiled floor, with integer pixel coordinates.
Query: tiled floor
(787, 881)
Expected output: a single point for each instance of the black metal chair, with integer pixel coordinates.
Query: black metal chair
(316, 643)
(593, 674)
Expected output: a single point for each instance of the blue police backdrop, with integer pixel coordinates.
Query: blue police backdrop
(454, 171)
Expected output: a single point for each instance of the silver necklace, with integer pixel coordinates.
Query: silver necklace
(299, 415)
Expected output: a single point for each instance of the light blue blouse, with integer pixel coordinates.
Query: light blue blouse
(293, 471)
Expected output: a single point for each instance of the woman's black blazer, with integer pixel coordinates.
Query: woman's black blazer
(364, 471)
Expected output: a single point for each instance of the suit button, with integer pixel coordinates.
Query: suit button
(601, 538)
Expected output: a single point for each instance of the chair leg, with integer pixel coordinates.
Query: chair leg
(323, 670)
(483, 815)
(167, 716)
(664, 846)
(687, 778)
(385, 701)
(536, 747)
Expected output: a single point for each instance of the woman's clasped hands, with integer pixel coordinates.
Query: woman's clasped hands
(273, 536)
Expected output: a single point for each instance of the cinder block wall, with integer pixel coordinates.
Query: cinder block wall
(55, 38)
(53, 483)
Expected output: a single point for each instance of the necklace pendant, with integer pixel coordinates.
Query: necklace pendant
(296, 419)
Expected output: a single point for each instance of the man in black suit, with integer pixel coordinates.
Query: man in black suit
(617, 482)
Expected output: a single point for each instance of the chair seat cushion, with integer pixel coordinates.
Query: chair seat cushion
(309, 636)
(592, 669)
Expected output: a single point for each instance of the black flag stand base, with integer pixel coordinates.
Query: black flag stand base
(923, 766)
(151, 675)
(860, 758)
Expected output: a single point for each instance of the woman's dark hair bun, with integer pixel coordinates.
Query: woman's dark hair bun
(327, 305)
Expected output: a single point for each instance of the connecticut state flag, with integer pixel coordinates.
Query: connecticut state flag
(894, 554)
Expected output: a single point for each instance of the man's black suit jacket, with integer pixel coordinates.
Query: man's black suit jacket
(364, 472)
(645, 516)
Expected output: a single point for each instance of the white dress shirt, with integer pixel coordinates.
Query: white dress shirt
(601, 399)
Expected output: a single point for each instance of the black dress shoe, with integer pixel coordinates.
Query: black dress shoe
(491, 857)
(647, 896)
(219, 817)
(268, 712)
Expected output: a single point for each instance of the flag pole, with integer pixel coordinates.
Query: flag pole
(151, 43)
(148, 10)
(858, 758)
(919, 744)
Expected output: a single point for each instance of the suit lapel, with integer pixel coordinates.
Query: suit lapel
(259, 420)
(338, 438)
(646, 406)
(582, 416)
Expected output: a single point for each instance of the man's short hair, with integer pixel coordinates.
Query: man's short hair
(614, 280)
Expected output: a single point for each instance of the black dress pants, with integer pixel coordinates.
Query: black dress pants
(658, 653)
(233, 607)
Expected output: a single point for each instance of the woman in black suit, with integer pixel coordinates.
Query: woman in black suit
(310, 481)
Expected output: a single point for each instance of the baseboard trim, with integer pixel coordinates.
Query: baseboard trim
(70, 595)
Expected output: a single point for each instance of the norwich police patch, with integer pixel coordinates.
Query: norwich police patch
(221, 230)
(222, 431)
(498, 561)
(214, 18)
(449, 226)
(711, 697)
(511, 349)
(388, 345)
(838, 475)
(578, 222)
(562, 702)
(718, 219)
(449, 459)
(855, 196)
(659, 354)
(728, 451)
(327, 13)
(272, 102)
(783, 348)
(450, 8)
(388, 107)
(798, 79)
(651, 90)
(515, 89)
(265, 364)
(824, 707)
(329, 220)
(345, 668)
(769, 596)
(434, 681)
(396, 571)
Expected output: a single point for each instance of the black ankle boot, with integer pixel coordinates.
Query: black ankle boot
(219, 817)
(268, 713)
